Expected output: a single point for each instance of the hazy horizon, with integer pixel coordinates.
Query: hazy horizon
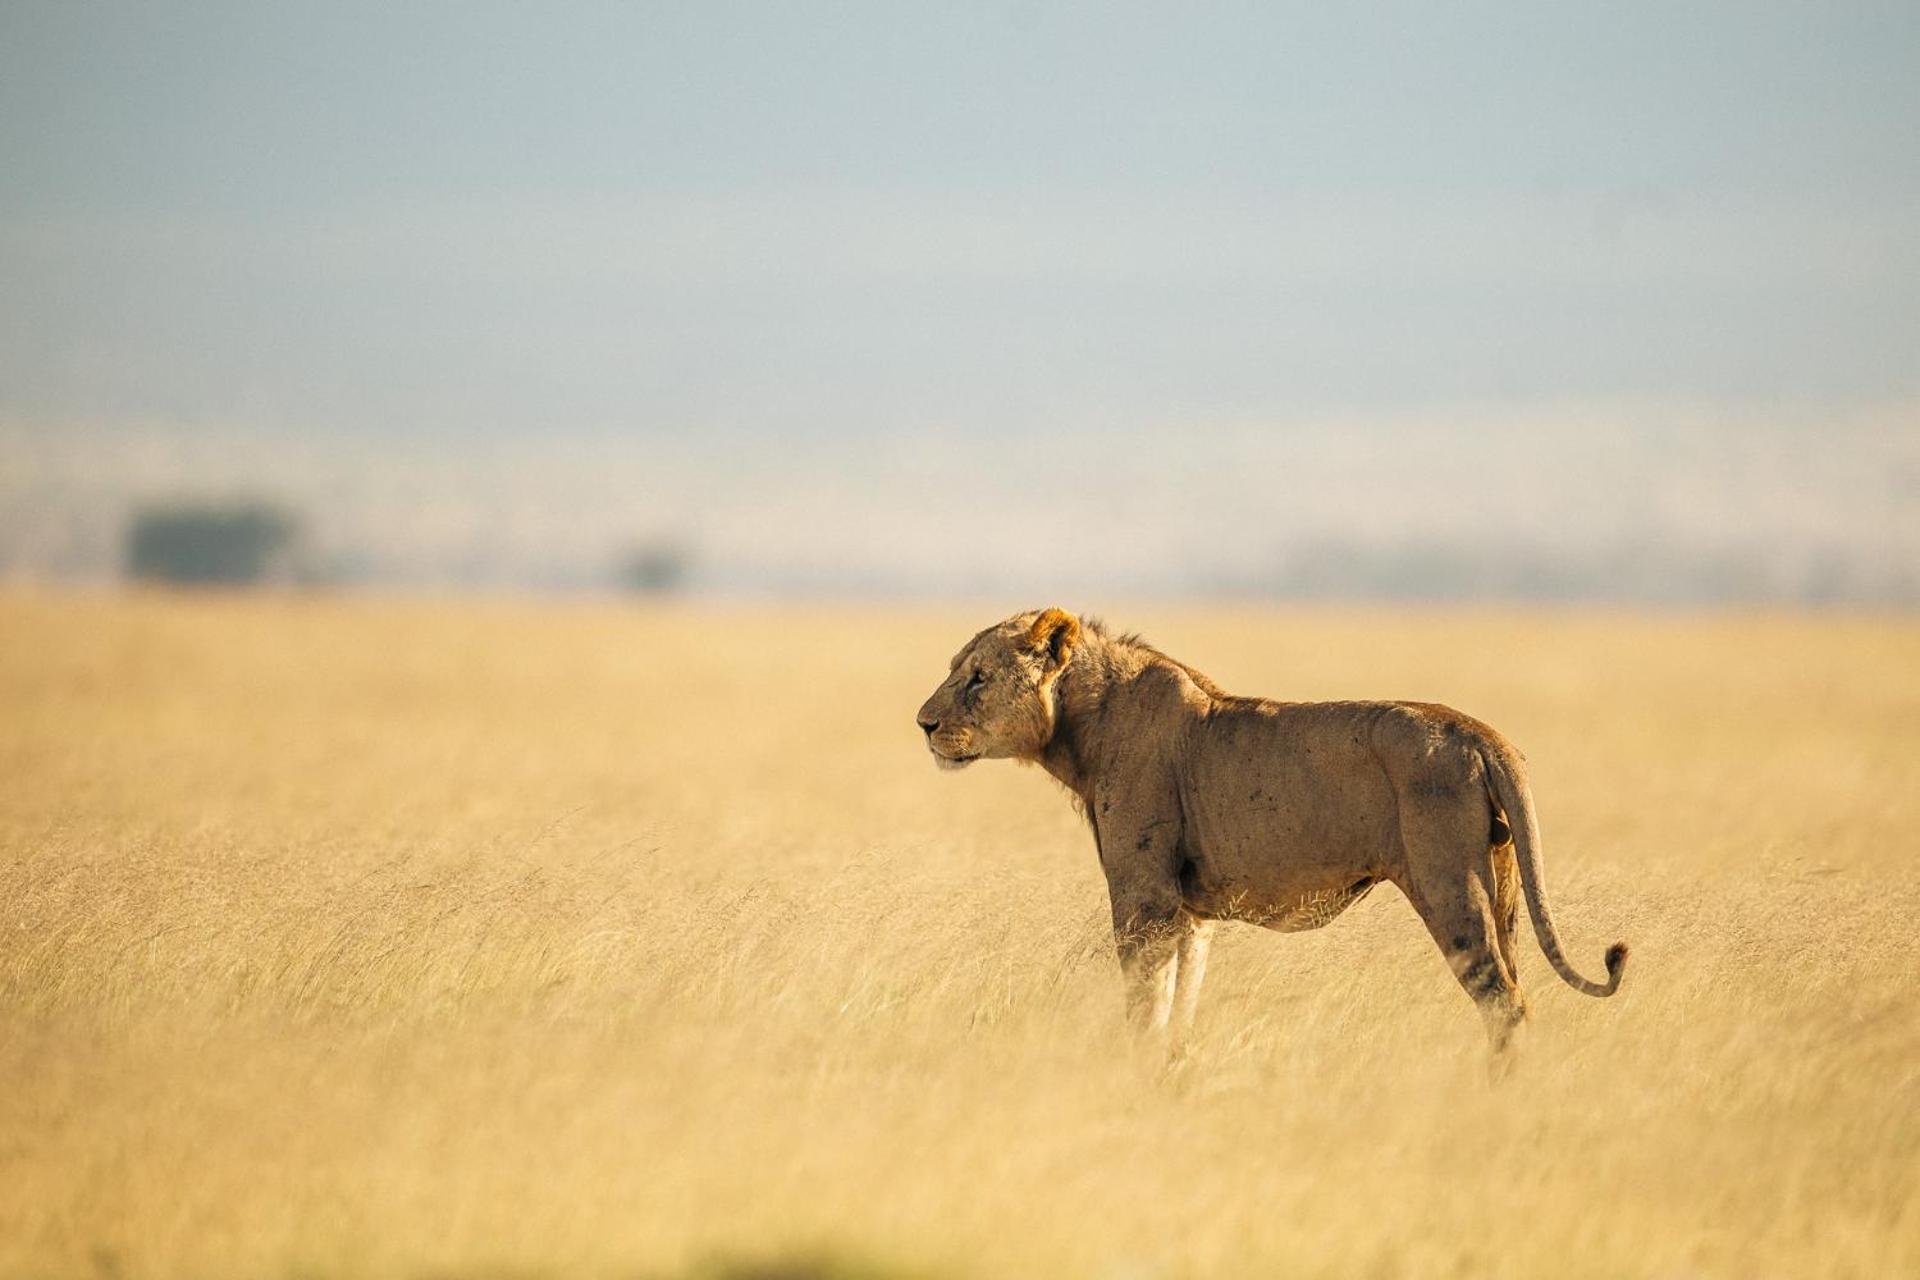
(877, 298)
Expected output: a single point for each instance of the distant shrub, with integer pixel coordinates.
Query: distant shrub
(227, 544)
(654, 568)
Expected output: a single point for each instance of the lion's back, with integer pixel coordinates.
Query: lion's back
(1327, 780)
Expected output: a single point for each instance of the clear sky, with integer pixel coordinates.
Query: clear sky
(849, 223)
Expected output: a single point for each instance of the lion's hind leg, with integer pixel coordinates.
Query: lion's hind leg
(1452, 882)
(1461, 919)
(1505, 880)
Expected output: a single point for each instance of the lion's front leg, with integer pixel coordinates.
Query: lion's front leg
(1138, 830)
(1189, 972)
(1149, 943)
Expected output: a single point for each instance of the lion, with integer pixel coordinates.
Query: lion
(1208, 807)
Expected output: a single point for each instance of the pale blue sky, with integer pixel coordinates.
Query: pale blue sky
(151, 108)
(657, 215)
(849, 223)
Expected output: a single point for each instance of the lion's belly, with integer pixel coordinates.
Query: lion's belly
(1289, 908)
(1289, 821)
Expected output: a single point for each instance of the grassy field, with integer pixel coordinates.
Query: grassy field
(384, 939)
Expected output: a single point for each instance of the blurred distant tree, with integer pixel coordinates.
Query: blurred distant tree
(228, 544)
(654, 568)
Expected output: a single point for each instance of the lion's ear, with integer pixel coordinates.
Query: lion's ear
(1053, 635)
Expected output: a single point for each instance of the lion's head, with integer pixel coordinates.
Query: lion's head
(997, 700)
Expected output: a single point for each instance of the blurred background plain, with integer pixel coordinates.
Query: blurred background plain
(1052, 301)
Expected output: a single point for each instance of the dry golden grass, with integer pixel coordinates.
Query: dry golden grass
(374, 938)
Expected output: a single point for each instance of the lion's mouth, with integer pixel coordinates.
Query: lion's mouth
(953, 762)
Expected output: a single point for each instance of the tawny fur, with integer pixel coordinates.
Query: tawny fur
(1206, 807)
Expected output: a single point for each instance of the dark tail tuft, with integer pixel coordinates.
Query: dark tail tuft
(1616, 964)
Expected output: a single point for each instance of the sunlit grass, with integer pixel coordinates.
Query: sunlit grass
(402, 939)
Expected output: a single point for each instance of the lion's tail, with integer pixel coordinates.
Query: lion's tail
(1507, 776)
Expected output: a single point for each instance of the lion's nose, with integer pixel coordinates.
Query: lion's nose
(928, 725)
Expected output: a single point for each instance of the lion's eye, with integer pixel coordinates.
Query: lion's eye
(975, 680)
